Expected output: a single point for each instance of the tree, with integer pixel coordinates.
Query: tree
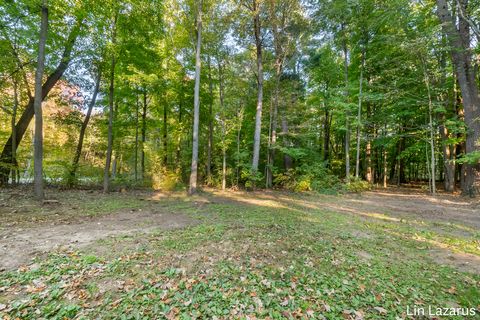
(83, 128)
(255, 8)
(459, 42)
(37, 105)
(196, 109)
(28, 112)
(111, 102)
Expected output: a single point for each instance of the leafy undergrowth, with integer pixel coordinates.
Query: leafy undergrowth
(243, 261)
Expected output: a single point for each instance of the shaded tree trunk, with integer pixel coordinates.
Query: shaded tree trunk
(258, 115)
(180, 119)
(359, 118)
(15, 172)
(347, 113)
(37, 106)
(137, 116)
(210, 124)
(224, 133)
(165, 135)
(143, 135)
(385, 167)
(106, 173)
(326, 136)
(78, 151)
(196, 107)
(287, 160)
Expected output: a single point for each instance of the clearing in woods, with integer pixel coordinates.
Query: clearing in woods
(236, 254)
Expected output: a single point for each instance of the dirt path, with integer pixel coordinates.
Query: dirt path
(443, 208)
(19, 245)
(445, 214)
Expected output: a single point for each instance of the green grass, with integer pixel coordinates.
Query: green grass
(246, 260)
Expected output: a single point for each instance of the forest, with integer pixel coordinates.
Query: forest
(276, 94)
(295, 134)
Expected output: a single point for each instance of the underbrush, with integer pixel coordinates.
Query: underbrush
(317, 178)
(308, 178)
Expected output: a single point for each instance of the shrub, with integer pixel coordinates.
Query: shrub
(166, 180)
(358, 185)
(314, 177)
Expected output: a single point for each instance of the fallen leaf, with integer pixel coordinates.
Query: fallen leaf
(452, 290)
(381, 310)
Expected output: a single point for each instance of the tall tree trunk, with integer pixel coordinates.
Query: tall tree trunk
(137, 116)
(368, 148)
(28, 113)
(359, 118)
(210, 124)
(385, 167)
(37, 106)
(144, 135)
(279, 61)
(165, 136)
(400, 170)
(180, 119)
(106, 173)
(196, 107)
(258, 115)
(431, 133)
(78, 151)
(240, 117)
(273, 131)
(459, 41)
(15, 172)
(287, 160)
(224, 133)
(326, 136)
(347, 113)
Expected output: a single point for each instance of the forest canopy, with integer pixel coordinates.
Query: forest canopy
(304, 95)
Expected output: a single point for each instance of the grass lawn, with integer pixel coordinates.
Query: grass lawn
(252, 256)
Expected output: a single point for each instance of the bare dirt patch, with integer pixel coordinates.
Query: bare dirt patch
(464, 262)
(19, 245)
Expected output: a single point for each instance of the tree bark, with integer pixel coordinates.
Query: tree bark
(347, 113)
(137, 113)
(258, 115)
(143, 135)
(180, 120)
(326, 136)
(359, 119)
(385, 167)
(15, 172)
(108, 160)
(196, 107)
(28, 113)
(37, 107)
(432, 140)
(459, 41)
(210, 124)
(279, 62)
(83, 128)
(165, 136)
(287, 160)
(224, 133)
